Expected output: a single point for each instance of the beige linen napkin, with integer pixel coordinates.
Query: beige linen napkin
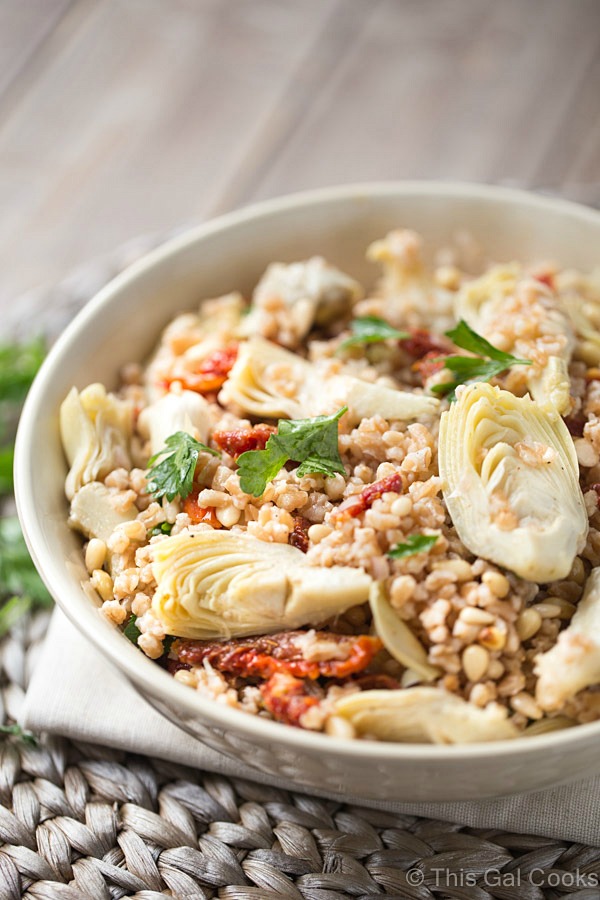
(75, 692)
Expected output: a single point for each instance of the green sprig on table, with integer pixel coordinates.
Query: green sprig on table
(21, 588)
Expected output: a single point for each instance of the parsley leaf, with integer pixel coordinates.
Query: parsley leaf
(7, 455)
(18, 366)
(17, 731)
(311, 442)
(415, 543)
(21, 588)
(371, 330)
(489, 362)
(175, 473)
(131, 631)
(164, 528)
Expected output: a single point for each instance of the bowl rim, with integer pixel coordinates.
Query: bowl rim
(108, 640)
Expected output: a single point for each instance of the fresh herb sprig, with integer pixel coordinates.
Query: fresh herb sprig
(371, 330)
(489, 361)
(311, 442)
(174, 475)
(415, 543)
(18, 366)
(21, 588)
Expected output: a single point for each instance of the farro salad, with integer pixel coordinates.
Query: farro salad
(369, 513)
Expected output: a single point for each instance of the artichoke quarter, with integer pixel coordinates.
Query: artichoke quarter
(511, 482)
(424, 715)
(573, 663)
(271, 382)
(504, 293)
(214, 585)
(187, 411)
(95, 429)
(313, 293)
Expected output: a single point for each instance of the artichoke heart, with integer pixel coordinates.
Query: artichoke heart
(397, 637)
(573, 663)
(308, 293)
(214, 585)
(424, 715)
(93, 514)
(585, 316)
(187, 411)
(511, 485)
(271, 382)
(95, 429)
(548, 339)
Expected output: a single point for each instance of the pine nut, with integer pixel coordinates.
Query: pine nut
(95, 554)
(135, 531)
(472, 615)
(475, 660)
(525, 704)
(228, 516)
(497, 583)
(567, 609)
(577, 572)
(492, 637)
(495, 670)
(528, 623)
(586, 454)
(336, 726)
(316, 533)
(102, 581)
(460, 568)
(548, 609)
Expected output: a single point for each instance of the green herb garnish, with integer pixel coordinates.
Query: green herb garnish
(7, 456)
(18, 366)
(175, 473)
(488, 363)
(415, 543)
(131, 631)
(21, 588)
(164, 528)
(311, 442)
(371, 330)
(16, 731)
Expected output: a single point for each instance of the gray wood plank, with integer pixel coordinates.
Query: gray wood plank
(138, 122)
(24, 24)
(474, 91)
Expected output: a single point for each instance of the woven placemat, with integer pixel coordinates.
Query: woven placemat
(85, 822)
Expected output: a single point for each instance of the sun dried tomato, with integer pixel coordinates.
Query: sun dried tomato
(366, 499)
(576, 423)
(429, 365)
(546, 278)
(200, 513)
(422, 343)
(264, 656)
(377, 681)
(240, 440)
(211, 373)
(299, 536)
(287, 698)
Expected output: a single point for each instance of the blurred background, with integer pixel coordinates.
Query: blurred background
(125, 118)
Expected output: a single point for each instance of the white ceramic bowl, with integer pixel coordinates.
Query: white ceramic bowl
(123, 322)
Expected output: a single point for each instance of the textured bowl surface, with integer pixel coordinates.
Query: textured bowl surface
(123, 322)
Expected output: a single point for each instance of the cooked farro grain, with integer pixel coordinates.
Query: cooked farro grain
(462, 614)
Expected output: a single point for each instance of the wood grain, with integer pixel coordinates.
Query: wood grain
(415, 98)
(23, 28)
(124, 117)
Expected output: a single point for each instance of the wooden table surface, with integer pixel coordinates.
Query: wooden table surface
(128, 117)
